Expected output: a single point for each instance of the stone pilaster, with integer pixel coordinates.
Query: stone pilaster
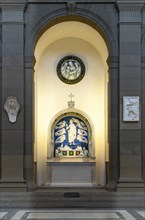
(130, 21)
(12, 175)
(29, 122)
(143, 117)
(0, 107)
(113, 123)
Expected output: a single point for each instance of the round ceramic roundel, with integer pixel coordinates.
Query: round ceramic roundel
(71, 69)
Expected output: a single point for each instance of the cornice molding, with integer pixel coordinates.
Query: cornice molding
(77, 1)
(13, 1)
(29, 61)
(113, 62)
(143, 62)
(130, 1)
(130, 6)
(14, 7)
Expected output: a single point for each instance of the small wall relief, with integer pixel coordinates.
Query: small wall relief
(12, 108)
(131, 108)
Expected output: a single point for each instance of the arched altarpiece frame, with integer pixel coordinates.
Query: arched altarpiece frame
(76, 113)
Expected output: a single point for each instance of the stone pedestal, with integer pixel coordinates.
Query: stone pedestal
(75, 172)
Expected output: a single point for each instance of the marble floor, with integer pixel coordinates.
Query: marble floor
(71, 214)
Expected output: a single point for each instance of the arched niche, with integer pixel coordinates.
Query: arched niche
(102, 27)
(73, 113)
(81, 40)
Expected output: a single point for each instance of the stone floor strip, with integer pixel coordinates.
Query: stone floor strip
(70, 214)
(126, 215)
(142, 213)
(2, 214)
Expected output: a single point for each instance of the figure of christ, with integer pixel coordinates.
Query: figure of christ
(72, 132)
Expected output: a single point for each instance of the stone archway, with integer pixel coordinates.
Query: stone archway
(113, 67)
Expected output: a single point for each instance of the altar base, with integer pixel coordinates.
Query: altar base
(71, 172)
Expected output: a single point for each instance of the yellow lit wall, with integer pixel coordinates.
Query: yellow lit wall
(52, 94)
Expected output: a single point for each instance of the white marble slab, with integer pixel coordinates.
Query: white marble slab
(19, 214)
(142, 213)
(2, 214)
(73, 214)
(85, 215)
(126, 215)
(71, 173)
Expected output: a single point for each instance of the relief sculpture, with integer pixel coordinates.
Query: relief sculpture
(131, 108)
(12, 108)
(71, 138)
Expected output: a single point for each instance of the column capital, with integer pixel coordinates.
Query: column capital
(130, 10)
(12, 10)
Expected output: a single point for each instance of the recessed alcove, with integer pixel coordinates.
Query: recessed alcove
(71, 150)
(52, 95)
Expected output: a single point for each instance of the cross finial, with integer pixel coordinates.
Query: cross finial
(71, 103)
(71, 96)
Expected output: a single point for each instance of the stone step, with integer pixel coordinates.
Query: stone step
(72, 198)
